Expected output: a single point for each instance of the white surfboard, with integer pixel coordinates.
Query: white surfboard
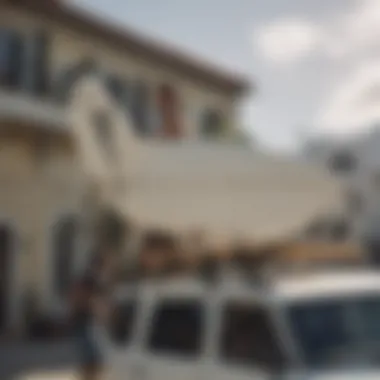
(224, 191)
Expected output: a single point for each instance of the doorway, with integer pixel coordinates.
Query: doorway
(5, 274)
(65, 247)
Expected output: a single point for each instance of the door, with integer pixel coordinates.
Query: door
(245, 343)
(5, 274)
(169, 109)
(173, 344)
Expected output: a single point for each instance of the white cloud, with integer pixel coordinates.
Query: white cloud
(356, 31)
(355, 103)
(353, 38)
(287, 40)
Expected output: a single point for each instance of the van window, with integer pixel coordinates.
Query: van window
(248, 337)
(123, 322)
(177, 328)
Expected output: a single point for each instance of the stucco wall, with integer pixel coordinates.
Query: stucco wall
(34, 196)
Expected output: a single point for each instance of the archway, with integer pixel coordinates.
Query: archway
(5, 273)
(70, 75)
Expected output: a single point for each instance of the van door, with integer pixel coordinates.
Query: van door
(245, 343)
(121, 334)
(173, 344)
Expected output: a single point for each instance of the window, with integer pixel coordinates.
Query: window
(343, 162)
(116, 87)
(337, 333)
(211, 124)
(177, 328)
(40, 64)
(65, 240)
(11, 59)
(123, 322)
(140, 108)
(248, 337)
(319, 329)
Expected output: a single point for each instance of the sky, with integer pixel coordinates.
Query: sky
(315, 64)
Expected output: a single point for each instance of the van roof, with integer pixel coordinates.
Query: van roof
(290, 287)
(327, 284)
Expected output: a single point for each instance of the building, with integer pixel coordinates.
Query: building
(45, 46)
(355, 161)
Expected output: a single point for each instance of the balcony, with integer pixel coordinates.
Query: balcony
(23, 108)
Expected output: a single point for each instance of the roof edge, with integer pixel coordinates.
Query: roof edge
(147, 47)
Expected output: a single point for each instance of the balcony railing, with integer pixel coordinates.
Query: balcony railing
(22, 107)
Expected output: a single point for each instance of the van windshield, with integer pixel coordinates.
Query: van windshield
(248, 337)
(337, 332)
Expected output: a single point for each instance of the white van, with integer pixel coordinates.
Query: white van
(311, 326)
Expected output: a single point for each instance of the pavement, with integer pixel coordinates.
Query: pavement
(48, 375)
(32, 361)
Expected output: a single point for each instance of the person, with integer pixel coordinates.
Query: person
(88, 307)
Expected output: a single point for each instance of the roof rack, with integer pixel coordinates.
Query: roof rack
(253, 264)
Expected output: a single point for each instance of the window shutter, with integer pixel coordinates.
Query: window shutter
(41, 64)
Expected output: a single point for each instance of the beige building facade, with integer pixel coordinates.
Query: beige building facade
(45, 46)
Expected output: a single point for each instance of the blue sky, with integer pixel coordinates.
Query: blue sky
(316, 63)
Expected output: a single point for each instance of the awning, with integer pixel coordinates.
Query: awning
(226, 192)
